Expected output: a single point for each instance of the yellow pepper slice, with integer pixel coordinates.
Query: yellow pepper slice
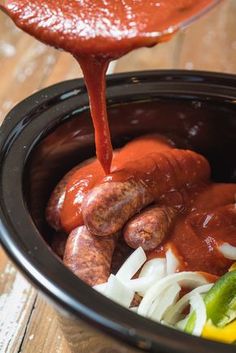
(232, 267)
(226, 334)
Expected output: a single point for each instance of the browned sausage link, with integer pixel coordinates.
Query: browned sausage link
(54, 206)
(109, 205)
(150, 227)
(55, 203)
(125, 192)
(89, 257)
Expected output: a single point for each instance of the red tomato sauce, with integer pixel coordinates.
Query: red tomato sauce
(208, 220)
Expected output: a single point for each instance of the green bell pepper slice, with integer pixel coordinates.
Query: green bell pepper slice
(221, 300)
(220, 303)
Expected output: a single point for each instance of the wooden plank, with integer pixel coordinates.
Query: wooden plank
(66, 68)
(33, 66)
(162, 56)
(210, 43)
(24, 73)
(11, 36)
(17, 298)
(26, 320)
(43, 334)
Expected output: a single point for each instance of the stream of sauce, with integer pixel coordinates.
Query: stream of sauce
(98, 31)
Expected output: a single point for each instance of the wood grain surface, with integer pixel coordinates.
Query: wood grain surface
(27, 323)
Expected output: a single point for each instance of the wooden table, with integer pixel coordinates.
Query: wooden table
(27, 323)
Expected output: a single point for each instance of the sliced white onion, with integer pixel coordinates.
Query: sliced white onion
(172, 262)
(170, 297)
(141, 284)
(154, 266)
(197, 304)
(228, 251)
(180, 325)
(131, 265)
(173, 315)
(118, 292)
(155, 269)
(100, 287)
(160, 288)
(186, 279)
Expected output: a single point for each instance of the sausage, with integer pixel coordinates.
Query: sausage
(149, 228)
(89, 257)
(54, 205)
(78, 184)
(125, 192)
(56, 200)
(108, 206)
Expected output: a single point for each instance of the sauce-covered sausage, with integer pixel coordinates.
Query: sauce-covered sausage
(64, 207)
(125, 192)
(55, 203)
(57, 198)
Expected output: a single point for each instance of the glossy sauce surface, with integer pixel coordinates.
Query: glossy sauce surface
(96, 32)
(208, 220)
(90, 175)
(99, 27)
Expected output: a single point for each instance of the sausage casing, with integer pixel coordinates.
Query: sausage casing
(149, 228)
(89, 257)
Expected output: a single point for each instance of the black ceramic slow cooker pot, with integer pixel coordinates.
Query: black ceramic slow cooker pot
(50, 132)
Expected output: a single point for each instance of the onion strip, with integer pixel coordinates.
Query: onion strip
(172, 262)
(228, 251)
(198, 306)
(131, 265)
(118, 292)
(187, 279)
(170, 297)
(174, 313)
